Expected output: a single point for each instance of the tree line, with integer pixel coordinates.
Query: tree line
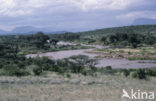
(128, 39)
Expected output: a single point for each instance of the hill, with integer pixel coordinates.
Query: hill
(29, 30)
(138, 29)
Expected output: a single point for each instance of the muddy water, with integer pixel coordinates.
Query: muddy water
(115, 63)
(124, 63)
(63, 54)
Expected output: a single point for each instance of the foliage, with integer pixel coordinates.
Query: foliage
(133, 75)
(128, 39)
(14, 70)
(139, 73)
(108, 68)
(125, 72)
(37, 70)
(151, 72)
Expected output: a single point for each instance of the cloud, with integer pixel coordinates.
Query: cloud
(104, 4)
(138, 14)
(73, 14)
(22, 7)
(28, 7)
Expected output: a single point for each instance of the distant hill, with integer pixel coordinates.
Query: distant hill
(3, 32)
(144, 21)
(30, 30)
(139, 29)
(25, 29)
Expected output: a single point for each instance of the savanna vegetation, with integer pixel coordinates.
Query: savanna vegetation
(95, 36)
(77, 77)
(13, 49)
(39, 42)
(14, 63)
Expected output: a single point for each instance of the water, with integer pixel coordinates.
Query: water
(63, 54)
(115, 63)
(124, 63)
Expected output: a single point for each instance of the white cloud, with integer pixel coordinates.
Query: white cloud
(22, 7)
(73, 13)
(104, 4)
(138, 14)
(27, 7)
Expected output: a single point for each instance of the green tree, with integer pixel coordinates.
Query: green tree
(40, 39)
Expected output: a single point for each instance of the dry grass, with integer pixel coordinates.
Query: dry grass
(77, 88)
(147, 53)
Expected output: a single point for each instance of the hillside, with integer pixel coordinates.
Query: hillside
(139, 29)
(30, 30)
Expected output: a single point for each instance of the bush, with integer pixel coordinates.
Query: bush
(133, 75)
(125, 72)
(151, 72)
(108, 68)
(79, 63)
(139, 74)
(14, 70)
(68, 75)
(37, 70)
(88, 72)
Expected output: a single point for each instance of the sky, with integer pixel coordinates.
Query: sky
(73, 15)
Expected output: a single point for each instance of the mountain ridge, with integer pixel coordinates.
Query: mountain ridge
(29, 30)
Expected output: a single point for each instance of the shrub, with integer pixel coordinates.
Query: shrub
(133, 75)
(22, 73)
(37, 70)
(78, 63)
(62, 66)
(108, 68)
(139, 74)
(68, 75)
(14, 70)
(125, 72)
(88, 72)
(151, 72)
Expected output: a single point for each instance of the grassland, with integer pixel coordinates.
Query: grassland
(37, 79)
(32, 50)
(141, 53)
(55, 87)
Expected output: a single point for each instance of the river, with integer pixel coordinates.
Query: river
(115, 63)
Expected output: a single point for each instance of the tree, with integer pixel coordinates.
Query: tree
(54, 42)
(112, 38)
(104, 40)
(78, 63)
(133, 40)
(40, 39)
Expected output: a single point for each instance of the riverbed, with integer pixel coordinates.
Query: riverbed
(115, 63)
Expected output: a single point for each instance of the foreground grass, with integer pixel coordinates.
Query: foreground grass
(55, 87)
